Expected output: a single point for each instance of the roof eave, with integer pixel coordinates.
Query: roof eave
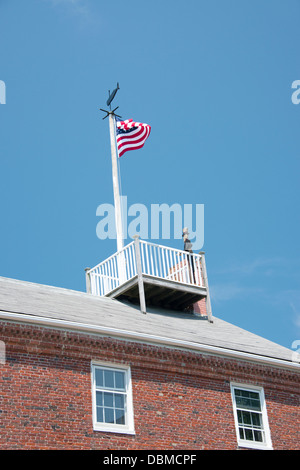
(150, 339)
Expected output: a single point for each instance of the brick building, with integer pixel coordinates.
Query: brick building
(84, 371)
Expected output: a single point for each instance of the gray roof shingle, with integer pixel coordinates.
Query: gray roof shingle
(56, 303)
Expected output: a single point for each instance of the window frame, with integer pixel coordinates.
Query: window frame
(128, 427)
(265, 423)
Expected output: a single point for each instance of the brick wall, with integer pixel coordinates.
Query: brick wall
(181, 399)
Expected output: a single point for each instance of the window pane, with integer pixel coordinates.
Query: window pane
(241, 401)
(109, 415)
(248, 434)
(119, 379)
(120, 416)
(99, 398)
(99, 377)
(246, 417)
(109, 379)
(108, 399)
(254, 404)
(99, 414)
(258, 436)
(248, 400)
(119, 400)
(256, 420)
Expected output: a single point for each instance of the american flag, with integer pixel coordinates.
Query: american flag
(131, 135)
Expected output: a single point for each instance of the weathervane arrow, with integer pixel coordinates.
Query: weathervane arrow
(112, 95)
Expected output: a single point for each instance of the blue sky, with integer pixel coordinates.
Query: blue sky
(213, 79)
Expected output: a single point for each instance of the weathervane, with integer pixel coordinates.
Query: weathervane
(111, 96)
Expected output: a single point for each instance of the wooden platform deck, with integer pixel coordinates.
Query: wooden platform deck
(159, 292)
(152, 275)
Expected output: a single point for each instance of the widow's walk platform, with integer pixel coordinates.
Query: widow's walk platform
(153, 275)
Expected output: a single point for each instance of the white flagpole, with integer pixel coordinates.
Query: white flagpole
(116, 187)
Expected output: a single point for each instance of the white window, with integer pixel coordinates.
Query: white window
(250, 417)
(112, 399)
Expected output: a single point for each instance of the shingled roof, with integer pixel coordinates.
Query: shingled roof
(52, 306)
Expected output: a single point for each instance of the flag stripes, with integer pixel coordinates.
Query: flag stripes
(131, 135)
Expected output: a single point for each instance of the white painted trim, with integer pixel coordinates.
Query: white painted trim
(149, 339)
(266, 428)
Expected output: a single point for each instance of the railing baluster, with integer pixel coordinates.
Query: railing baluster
(181, 274)
(114, 279)
(151, 259)
(147, 259)
(134, 260)
(190, 268)
(98, 286)
(106, 278)
(165, 274)
(177, 267)
(96, 283)
(92, 277)
(198, 272)
(175, 264)
(142, 245)
(133, 267)
(128, 262)
(166, 264)
(181, 268)
(115, 271)
(171, 265)
(157, 260)
(110, 276)
(184, 270)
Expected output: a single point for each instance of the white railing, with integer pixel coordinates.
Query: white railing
(156, 260)
(113, 272)
(169, 263)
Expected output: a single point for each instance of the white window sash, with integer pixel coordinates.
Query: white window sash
(264, 429)
(128, 427)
